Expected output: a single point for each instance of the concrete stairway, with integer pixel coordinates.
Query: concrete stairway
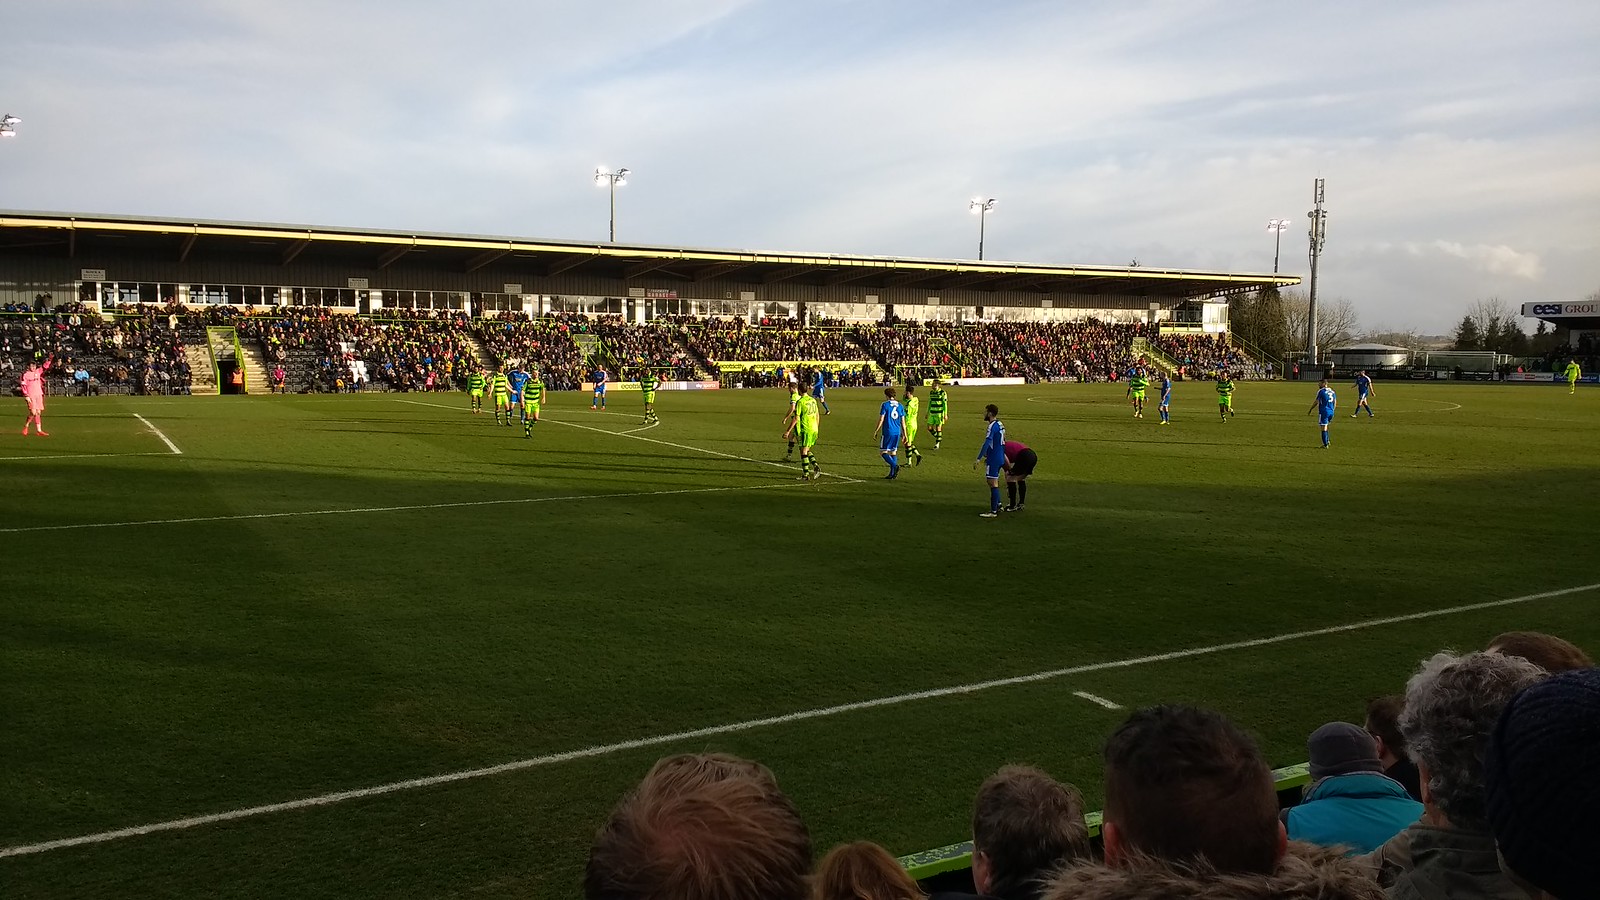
(202, 375)
(257, 376)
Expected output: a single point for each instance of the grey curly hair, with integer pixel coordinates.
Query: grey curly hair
(1452, 704)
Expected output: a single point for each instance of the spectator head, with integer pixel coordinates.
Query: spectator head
(1546, 651)
(1383, 723)
(1187, 786)
(1542, 796)
(991, 412)
(1025, 824)
(1339, 748)
(862, 871)
(1452, 704)
(701, 827)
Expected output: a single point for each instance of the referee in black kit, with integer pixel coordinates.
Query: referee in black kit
(1020, 461)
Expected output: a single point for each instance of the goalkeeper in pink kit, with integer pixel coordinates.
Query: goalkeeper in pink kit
(33, 392)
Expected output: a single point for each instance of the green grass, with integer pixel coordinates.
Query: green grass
(158, 671)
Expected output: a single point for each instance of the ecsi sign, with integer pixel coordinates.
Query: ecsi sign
(1562, 309)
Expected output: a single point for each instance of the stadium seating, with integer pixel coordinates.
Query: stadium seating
(1203, 355)
(141, 348)
(132, 352)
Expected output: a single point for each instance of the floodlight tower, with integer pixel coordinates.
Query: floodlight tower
(605, 177)
(980, 208)
(1277, 227)
(1318, 234)
(8, 125)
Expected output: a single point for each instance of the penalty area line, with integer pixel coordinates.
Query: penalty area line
(823, 712)
(1096, 699)
(164, 439)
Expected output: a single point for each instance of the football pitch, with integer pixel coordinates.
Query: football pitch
(373, 646)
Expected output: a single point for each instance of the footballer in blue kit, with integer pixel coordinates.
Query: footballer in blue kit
(891, 425)
(599, 389)
(518, 379)
(993, 455)
(1324, 406)
(1166, 399)
(818, 388)
(1363, 394)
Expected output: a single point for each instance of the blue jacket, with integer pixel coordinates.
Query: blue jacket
(1359, 811)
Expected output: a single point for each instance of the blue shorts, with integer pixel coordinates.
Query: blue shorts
(1324, 418)
(1361, 396)
(994, 469)
(599, 390)
(891, 441)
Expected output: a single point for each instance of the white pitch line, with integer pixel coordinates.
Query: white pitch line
(84, 456)
(630, 434)
(1097, 700)
(384, 509)
(752, 724)
(164, 439)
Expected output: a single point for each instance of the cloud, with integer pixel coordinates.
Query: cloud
(1107, 131)
(1496, 260)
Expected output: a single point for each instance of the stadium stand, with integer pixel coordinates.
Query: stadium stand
(140, 348)
(774, 340)
(1203, 355)
(660, 346)
(547, 342)
(135, 352)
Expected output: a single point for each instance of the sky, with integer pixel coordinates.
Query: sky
(1459, 141)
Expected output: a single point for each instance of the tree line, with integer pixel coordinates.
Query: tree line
(1274, 321)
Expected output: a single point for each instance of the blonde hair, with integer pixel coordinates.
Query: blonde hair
(862, 871)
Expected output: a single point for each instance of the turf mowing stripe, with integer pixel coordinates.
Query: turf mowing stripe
(383, 509)
(751, 724)
(164, 439)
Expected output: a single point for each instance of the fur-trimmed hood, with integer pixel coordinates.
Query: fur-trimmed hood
(1306, 873)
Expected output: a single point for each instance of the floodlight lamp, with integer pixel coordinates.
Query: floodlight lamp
(1277, 224)
(9, 119)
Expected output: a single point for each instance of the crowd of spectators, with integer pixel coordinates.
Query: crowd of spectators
(412, 350)
(1089, 350)
(1504, 741)
(777, 340)
(1204, 355)
(661, 346)
(906, 345)
(314, 348)
(546, 342)
(138, 352)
